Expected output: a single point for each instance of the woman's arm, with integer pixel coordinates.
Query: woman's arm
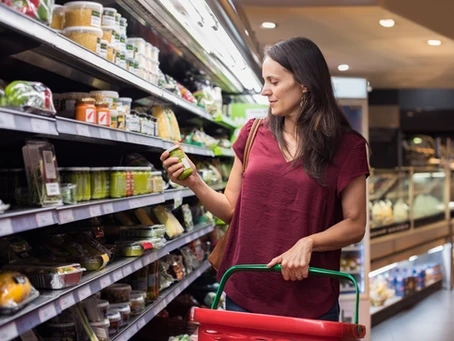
(221, 205)
(295, 262)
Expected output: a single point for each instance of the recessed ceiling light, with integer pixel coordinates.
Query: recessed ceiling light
(268, 25)
(434, 42)
(387, 22)
(247, 32)
(343, 67)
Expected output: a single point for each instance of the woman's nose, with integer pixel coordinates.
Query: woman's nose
(266, 91)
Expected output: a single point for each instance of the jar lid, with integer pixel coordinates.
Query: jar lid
(137, 297)
(74, 169)
(172, 148)
(87, 100)
(156, 173)
(118, 287)
(113, 94)
(125, 100)
(104, 42)
(99, 169)
(86, 29)
(137, 293)
(103, 303)
(58, 9)
(104, 323)
(107, 28)
(110, 9)
(84, 4)
(102, 104)
(113, 315)
(136, 40)
(121, 307)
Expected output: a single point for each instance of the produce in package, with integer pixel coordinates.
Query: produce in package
(31, 97)
(42, 173)
(16, 292)
(40, 10)
(168, 127)
(165, 217)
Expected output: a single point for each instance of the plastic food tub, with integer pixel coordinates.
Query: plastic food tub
(88, 37)
(125, 312)
(117, 293)
(62, 331)
(107, 33)
(103, 305)
(114, 320)
(58, 18)
(110, 97)
(101, 329)
(140, 43)
(83, 13)
(108, 16)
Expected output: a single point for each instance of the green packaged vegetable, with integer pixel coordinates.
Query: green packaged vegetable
(30, 97)
(40, 10)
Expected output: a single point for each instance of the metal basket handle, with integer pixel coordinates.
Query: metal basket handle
(278, 268)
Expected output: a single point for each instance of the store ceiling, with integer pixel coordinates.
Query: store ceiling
(348, 32)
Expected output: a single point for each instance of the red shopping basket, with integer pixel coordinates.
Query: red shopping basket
(219, 325)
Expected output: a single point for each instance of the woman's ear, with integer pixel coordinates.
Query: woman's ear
(305, 90)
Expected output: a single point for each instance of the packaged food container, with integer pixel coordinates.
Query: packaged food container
(103, 48)
(107, 33)
(108, 16)
(141, 231)
(117, 182)
(94, 263)
(130, 50)
(103, 305)
(125, 312)
(154, 78)
(130, 65)
(101, 329)
(155, 54)
(68, 102)
(158, 182)
(148, 50)
(58, 18)
(62, 331)
(129, 181)
(110, 97)
(126, 104)
(142, 60)
(137, 303)
(117, 293)
(116, 40)
(103, 114)
(148, 64)
(17, 292)
(154, 67)
(111, 53)
(69, 194)
(123, 26)
(86, 110)
(176, 151)
(117, 22)
(47, 276)
(73, 175)
(121, 119)
(140, 43)
(100, 186)
(43, 178)
(115, 320)
(86, 178)
(154, 122)
(83, 13)
(122, 45)
(138, 293)
(142, 72)
(113, 119)
(121, 59)
(88, 37)
(148, 76)
(129, 249)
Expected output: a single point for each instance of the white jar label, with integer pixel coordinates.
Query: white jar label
(90, 115)
(108, 20)
(95, 19)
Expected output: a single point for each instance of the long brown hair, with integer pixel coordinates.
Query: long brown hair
(322, 122)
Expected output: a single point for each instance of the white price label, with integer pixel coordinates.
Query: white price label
(117, 275)
(95, 211)
(39, 126)
(141, 323)
(6, 227)
(47, 313)
(105, 281)
(83, 130)
(188, 239)
(134, 203)
(44, 219)
(67, 301)
(8, 332)
(108, 208)
(138, 265)
(84, 292)
(177, 199)
(121, 136)
(127, 270)
(7, 121)
(105, 134)
(160, 306)
(133, 138)
(66, 216)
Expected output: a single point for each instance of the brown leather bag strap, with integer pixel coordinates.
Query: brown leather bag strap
(250, 141)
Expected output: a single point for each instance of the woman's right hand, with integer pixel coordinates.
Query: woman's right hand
(174, 168)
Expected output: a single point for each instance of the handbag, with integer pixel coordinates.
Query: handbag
(216, 256)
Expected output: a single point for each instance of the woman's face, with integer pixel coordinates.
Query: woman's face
(283, 91)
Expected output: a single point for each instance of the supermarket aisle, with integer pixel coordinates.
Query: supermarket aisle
(429, 320)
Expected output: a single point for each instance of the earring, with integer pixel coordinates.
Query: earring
(303, 101)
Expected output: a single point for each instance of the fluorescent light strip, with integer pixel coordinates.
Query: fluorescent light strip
(383, 270)
(436, 249)
(413, 258)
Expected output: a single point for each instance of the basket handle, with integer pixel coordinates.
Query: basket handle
(278, 268)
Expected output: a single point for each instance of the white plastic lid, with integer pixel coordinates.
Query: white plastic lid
(123, 20)
(137, 293)
(113, 316)
(156, 173)
(155, 48)
(172, 148)
(121, 307)
(58, 9)
(85, 29)
(112, 94)
(136, 40)
(110, 9)
(103, 303)
(106, 28)
(137, 298)
(104, 323)
(84, 4)
(125, 100)
(104, 42)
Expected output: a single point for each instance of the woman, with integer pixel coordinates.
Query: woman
(302, 197)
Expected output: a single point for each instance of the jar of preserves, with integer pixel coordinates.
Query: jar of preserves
(86, 178)
(177, 152)
(121, 119)
(117, 182)
(129, 181)
(86, 110)
(114, 119)
(157, 182)
(103, 114)
(99, 183)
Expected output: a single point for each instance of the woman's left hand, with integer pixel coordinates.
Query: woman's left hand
(295, 262)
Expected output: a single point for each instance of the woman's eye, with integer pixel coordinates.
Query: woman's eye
(273, 83)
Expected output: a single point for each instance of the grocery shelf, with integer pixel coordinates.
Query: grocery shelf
(28, 219)
(20, 121)
(397, 304)
(81, 60)
(228, 152)
(164, 299)
(50, 303)
(225, 121)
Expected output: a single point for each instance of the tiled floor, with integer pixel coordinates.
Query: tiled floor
(429, 320)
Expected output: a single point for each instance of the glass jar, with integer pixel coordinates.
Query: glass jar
(154, 130)
(97, 183)
(137, 304)
(114, 119)
(142, 180)
(157, 182)
(117, 182)
(86, 178)
(133, 122)
(121, 119)
(177, 152)
(142, 123)
(129, 181)
(74, 176)
(86, 110)
(103, 114)
(148, 180)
